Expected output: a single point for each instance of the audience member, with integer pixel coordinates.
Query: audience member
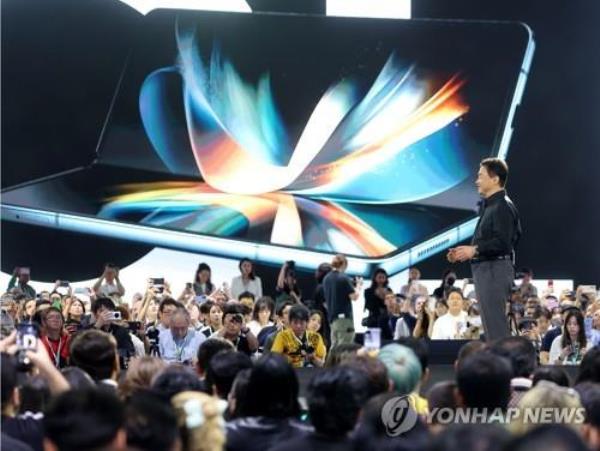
(222, 370)
(335, 399)
(200, 421)
(246, 281)
(413, 288)
(180, 343)
(235, 331)
(375, 297)
(451, 325)
(85, 420)
(270, 408)
(151, 424)
(302, 348)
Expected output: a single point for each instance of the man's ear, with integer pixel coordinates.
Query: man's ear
(458, 397)
(49, 446)
(16, 398)
(120, 440)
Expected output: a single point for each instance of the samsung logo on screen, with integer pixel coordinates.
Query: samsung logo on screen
(398, 9)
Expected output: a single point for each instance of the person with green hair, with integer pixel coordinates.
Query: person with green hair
(404, 371)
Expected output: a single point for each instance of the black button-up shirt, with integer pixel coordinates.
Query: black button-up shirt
(498, 229)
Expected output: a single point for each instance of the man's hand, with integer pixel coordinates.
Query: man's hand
(103, 319)
(462, 253)
(451, 255)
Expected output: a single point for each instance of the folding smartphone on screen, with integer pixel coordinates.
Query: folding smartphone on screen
(280, 137)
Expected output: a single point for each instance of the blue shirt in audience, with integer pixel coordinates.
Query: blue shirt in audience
(181, 350)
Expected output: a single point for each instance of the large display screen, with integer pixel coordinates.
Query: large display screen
(359, 136)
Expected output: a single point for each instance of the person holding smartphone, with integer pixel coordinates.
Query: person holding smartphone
(20, 279)
(109, 285)
(492, 248)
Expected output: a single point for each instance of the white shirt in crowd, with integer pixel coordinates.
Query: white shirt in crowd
(255, 327)
(447, 326)
(556, 349)
(253, 286)
(108, 289)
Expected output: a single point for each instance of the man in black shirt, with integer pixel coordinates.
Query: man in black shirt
(339, 294)
(492, 249)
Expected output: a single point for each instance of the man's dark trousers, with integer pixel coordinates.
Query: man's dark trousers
(493, 283)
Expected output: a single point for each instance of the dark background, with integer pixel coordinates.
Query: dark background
(61, 61)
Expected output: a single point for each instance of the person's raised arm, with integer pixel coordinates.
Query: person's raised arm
(120, 287)
(41, 361)
(96, 287)
(281, 277)
(357, 290)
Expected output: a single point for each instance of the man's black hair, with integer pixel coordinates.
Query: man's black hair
(554, 374)
(299, 313)
(175, 379)
(34, 394)
(555, 437)
(281, 307)
(77, 378)
(419, 347)
(519, 351)
(246, 294)
(9, 377)
(168, 301)
(496, 167)
(374, 369)
(272, 389)
(589, 393)
(151, 423)
(209, 348)
(232, 309)
(107, 303)
(222, 370)
(94, 352)
(589, 369)
(476, 376)
(335, 397)
(83, 419)
(461, 437)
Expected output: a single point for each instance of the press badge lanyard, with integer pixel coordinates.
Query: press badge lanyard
(55, 356)
(179, 349)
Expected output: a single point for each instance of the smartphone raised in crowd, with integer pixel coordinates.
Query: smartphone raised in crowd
(27, 336)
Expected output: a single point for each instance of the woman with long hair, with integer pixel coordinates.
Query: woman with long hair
(570, 347)
(375, 297)
(246, 281)
(203, 286)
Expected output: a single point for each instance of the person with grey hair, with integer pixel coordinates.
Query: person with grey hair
(180, 343)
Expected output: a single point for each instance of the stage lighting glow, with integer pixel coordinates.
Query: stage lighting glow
(145, 6)
(395, 9)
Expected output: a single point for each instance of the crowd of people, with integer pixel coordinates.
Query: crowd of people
(216, 367)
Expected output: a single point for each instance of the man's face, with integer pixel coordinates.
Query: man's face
(414, 274)
(390, 302)
(543, 323)
(165, 315)
(110, 274)
(179, 326)
(246, 268)
(53, 321)
(485, 184)
(233, 323)
(24, 276)
(298, 326)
